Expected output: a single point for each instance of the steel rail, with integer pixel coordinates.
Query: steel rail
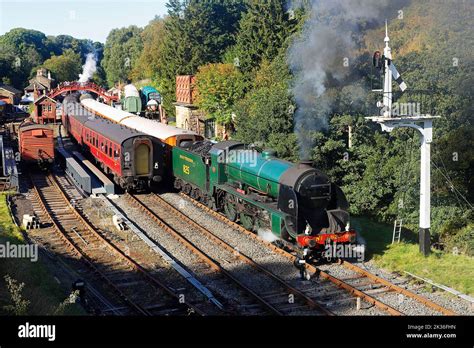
(119, 252)
(396, 288)
(292, 290)
(313, 269)
(199, 253)
(115, 250)
(69, 243)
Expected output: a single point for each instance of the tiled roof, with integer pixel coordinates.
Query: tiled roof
(37, 84)
(10, 89)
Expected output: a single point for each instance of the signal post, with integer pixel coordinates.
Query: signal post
(422, 123)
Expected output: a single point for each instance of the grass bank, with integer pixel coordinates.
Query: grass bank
(450, 270)
(41, 289)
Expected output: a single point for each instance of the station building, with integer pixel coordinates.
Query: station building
(188, 115)
(45, 110)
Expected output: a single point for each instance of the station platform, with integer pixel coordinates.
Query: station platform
(8, 168)
(83, 173)
(104, 181)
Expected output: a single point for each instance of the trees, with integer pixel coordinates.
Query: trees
(65, 67)
(195, 33)
(59, 44)
(21, 50)
(122, 50)
(263, 30)
(219, 87)
(265, 114)
(148, 64)
(199, 32)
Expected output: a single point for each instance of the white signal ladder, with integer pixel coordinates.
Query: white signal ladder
(397, 230)
(6, 183)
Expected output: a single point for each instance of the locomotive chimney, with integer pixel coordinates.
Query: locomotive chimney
(305, 163)
(269, 154)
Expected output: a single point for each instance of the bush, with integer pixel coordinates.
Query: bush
(463, 240)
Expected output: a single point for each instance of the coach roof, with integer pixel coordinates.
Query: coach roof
(112, 131)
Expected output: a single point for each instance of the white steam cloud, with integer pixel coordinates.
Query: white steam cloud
(89, 68)
(323, 52)
(267, 235)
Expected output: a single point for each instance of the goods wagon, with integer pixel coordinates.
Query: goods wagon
(36, 143)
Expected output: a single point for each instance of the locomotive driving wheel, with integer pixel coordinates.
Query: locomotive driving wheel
(187, 189)
(229, 208)
(210, 203)
(247, 221)
(178, 184)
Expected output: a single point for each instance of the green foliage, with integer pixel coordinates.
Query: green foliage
(454, 157)
(263, 30)
(453, 228)
(219, 87)
(63, 306)
(444, 268)
(65, 67)
(265, 114)
(122, 50)
(19, 305)
(148, 64)
(454, 271)
(20, 51)
(196, 33)
(62, 43)
(379, 173)
(463, 240)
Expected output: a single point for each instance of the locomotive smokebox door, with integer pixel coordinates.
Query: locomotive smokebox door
(288, 203)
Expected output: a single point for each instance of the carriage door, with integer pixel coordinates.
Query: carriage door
(142, 159)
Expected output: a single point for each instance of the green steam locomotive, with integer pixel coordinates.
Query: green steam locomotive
(295, 203)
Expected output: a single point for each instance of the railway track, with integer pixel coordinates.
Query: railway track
(132, 289)
(226, 260)
(358, 282)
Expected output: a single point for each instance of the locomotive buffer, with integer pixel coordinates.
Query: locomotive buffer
(389, 120)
